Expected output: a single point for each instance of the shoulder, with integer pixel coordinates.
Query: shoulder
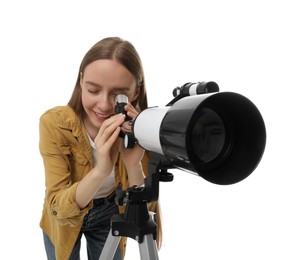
(62, 116)
(58, 112)
(62, 125)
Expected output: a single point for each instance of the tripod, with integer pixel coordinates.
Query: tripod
(137, 222)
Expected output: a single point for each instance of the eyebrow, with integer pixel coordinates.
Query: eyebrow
(99, 86)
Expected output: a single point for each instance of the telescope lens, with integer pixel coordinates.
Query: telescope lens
(207, 136)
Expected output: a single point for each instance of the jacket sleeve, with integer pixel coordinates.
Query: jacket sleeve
(60, 189)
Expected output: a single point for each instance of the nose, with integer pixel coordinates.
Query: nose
(106, 102)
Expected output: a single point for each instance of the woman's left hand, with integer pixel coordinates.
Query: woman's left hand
(132, 156)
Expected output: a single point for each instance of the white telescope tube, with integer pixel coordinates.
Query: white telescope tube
(147, 126)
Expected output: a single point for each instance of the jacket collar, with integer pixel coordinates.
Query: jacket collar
(69, 120)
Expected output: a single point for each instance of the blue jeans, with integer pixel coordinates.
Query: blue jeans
(96, 227)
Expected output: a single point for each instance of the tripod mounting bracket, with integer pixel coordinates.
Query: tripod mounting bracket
(137, 221)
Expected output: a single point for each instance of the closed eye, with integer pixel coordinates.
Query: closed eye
(93, 91)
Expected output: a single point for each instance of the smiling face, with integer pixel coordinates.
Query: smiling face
(101, 81)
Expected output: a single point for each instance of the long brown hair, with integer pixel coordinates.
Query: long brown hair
(122, 51)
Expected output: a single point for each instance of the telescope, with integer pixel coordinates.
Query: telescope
(219, 136)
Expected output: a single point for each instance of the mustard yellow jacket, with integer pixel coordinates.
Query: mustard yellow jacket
(67, 158)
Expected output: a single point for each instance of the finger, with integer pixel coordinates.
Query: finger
(112, 139)
(114, 120)
(104, 145)
(126, 126)
(109, 126)
(131, 111)
(108, 133)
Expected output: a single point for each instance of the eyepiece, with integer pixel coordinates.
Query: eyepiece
(121, 98)
(120, 101)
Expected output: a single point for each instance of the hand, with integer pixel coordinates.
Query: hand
(126, 127)
(132, 157)
(107, 143)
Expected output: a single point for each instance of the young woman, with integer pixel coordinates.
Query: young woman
(84, 157)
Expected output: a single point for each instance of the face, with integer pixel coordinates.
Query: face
(101, 81)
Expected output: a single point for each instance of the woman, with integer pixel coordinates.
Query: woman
(84, 157)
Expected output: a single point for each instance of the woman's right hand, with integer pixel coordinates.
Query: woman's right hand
(107, 149)
(107, 144)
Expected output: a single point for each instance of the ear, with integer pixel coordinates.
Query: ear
(136, 94)
(81, 78)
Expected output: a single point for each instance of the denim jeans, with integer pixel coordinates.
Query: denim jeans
(96, 227)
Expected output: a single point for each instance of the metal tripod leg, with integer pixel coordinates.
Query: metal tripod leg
(147, 248)
(110, 247)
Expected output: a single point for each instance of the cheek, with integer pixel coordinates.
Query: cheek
(87, 100)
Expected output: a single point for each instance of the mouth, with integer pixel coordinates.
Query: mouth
(101, 117)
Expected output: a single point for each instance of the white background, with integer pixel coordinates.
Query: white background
(255, 48)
